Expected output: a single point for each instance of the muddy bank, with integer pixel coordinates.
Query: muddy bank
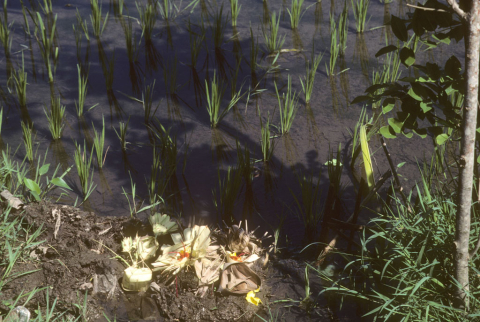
(76, 259)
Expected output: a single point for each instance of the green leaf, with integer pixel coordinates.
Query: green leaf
(44, 169)
(395, 124)
(407, 56)
(399, 29)
(441, 139)
(421, 132)
(387, 132)
(32, 185)
(61, 183)
(386, 50)
(412, 93)
(36, 195)
(408, 135)
(400, 165)
(425, 107)
(388, 105)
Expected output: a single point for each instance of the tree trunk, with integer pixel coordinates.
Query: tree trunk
(467, 152)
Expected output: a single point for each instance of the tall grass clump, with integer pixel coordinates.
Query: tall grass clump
(99, 144)
(96, 18)
(235, 11)
(288, 107)
(310, 71)
(214, 93)
(83, 163)
(273, 42)
(19, 78)
(295, 13)
(56, 118)
(405, 266)
(360, 10)
(27, 135)
(46, 44)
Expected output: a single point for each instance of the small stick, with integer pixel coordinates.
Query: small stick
(425, 8)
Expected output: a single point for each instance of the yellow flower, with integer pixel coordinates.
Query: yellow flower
(251, 297)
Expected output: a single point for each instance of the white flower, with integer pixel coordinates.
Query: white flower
(146, 247)
(186, 249)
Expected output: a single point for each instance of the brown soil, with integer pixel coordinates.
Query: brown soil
(72, 262)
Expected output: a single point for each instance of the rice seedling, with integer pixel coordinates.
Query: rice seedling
(196, 42)
(122, 134)
(360, 10)
(26, 24)
(130, 40)
(46, 7)
(83, 163)
(147, 102)
(46, 44)
(1, 121)
(334, 47)
(168, 9)
(218, 28)
(148, 18)
(152, 182)
(96, 18)
(99, 144)
(108, 68)
(82, 92)
(164, 163)
(273, 43)
(170, 76)
(288, 107)
(235, 11)
(56, 118)
(343, 28)
(310, 72)
(118, 7)
(295, 13)
(308, 206)
(27, 134)
(83, 24)
(214, 94)
(5, 30)
(225, 197)
(266, 142)
(20, 83)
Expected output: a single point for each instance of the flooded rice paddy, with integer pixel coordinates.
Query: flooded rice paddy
(156, 88)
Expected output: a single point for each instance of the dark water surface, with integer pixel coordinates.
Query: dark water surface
(323, 124)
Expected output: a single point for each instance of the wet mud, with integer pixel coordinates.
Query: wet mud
(75, 264)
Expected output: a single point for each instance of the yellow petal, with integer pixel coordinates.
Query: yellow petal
(252, 299)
